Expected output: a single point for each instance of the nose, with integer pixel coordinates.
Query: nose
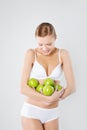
(44, 48)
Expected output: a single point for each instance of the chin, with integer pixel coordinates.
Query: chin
(47, 53)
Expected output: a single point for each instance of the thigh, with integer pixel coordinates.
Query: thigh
(52, 125)
(31, 124)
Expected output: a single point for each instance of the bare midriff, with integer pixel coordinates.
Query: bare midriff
(40, 104)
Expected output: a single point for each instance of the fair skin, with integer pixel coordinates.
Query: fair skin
(47, 57)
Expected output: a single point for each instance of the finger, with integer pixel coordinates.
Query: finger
(57, 81)
(61, 92)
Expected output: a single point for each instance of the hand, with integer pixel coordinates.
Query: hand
(56, 95)
(57, 81)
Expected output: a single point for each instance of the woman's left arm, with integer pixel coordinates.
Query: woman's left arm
(69, 75)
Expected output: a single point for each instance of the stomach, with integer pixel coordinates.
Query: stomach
(42, 105)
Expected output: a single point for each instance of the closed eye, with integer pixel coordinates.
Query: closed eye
(40, 44)
(49, 44)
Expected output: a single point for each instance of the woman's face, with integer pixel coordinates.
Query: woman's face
(46, 44)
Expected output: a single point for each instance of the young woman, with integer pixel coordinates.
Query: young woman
(41, 112)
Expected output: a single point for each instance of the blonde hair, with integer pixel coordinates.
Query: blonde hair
(45, 29)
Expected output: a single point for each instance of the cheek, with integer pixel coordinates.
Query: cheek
(52, 46)
(39, 47)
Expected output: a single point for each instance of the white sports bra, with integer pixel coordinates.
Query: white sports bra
(39, 72)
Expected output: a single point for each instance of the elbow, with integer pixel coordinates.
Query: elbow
(22, 90)
(73, 89)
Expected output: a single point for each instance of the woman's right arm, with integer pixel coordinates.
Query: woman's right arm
(24, 88)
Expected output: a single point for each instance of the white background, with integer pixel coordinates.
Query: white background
(18, 21)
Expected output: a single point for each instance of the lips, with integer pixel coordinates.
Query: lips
(45, 51)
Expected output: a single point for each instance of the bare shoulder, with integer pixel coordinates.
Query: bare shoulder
(30, 54)
(65, 56)
(64, 53)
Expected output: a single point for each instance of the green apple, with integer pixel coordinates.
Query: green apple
(39, 88)
(48, 90)
(32, 82)
(49, 81)
(58, 87)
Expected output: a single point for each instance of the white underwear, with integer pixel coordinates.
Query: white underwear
(42, 114)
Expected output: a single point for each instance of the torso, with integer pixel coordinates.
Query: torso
(49, 65)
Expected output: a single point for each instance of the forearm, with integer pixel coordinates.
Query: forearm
(31, 93)
(68, 91)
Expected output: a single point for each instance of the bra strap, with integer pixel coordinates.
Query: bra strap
(59, 56)
(35, 54)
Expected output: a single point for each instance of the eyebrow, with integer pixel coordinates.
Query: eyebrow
(46, 43)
